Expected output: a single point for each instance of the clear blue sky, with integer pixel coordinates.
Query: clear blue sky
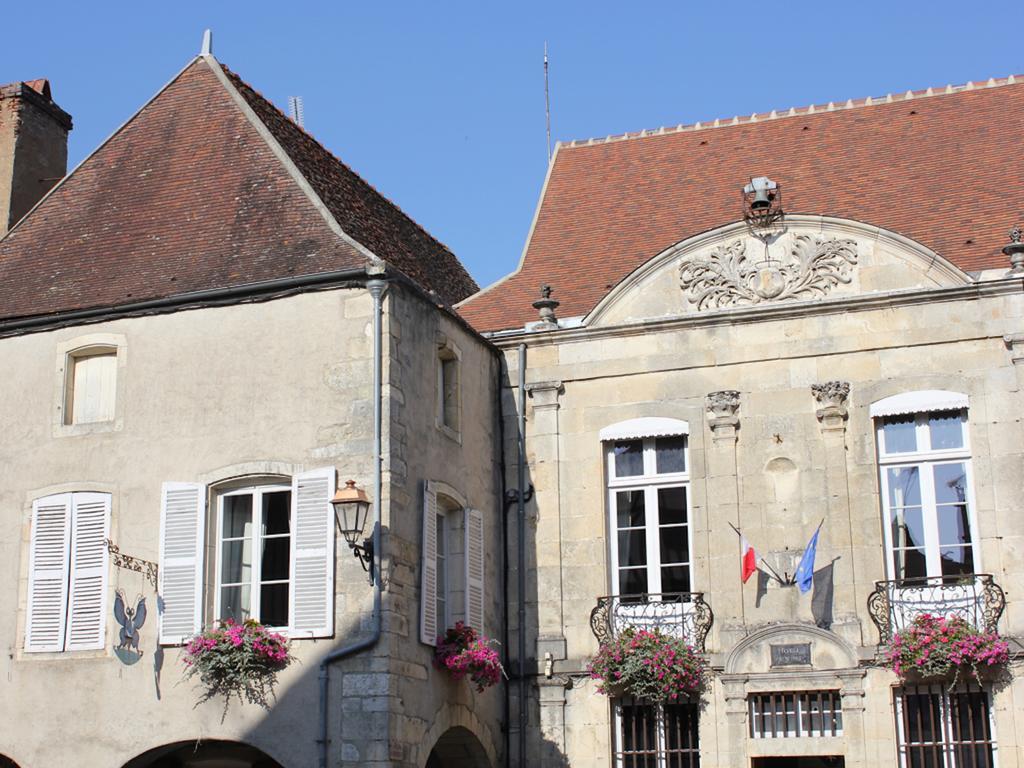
(441, 105)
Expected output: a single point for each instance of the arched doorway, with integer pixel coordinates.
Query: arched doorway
(458, 748)
(6, 762)
(203, 754)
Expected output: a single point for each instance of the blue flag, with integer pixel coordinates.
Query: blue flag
(805, 571)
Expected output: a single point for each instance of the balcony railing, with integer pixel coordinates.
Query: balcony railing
(895, 604)
(679, 614)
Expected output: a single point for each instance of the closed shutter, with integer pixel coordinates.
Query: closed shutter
(475, 569)
(87, 605)
(311, 598)
(48, 573)
(182, 526)
(428, 568)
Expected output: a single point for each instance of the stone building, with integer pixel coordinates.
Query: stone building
(771, 323)
(207, 327)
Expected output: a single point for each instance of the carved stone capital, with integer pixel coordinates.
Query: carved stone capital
(722, 413)
(544, 394)
(831, 398)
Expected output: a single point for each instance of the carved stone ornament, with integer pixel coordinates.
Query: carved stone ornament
(723, 403)
(831, 393)
(727, 276)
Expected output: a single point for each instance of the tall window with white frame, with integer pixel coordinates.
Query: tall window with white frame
(254, 554)
(926, 484)
(648, 503)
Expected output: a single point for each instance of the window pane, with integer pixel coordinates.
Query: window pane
(954, 527)
(276, 557)
(907, 527)
(675, 579)
(237, 516)
(630, 508)
(236, 561)
(633, 547)
(946, 430)
(670, 454)
(950, 483)
(274, 605)
(234, 603)
(671, 505)
(956, 561)
(629, 458)
(899, 434)
(910, 563)
(904, 487)
(450, 392)
(277, 512)
(632, 581)
(675, 547)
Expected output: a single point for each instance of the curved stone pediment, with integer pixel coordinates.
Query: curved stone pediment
(810, 258)
(793, 644)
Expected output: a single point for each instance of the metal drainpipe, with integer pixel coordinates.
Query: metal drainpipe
(521, 542)
(376, 289)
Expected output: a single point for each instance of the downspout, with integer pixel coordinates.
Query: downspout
(521, 542)
(376, 289)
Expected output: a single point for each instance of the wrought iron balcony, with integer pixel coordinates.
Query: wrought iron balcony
(680, 614)
(895, 604)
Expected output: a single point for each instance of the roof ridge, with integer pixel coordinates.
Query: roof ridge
(337, 159)
(811, 109)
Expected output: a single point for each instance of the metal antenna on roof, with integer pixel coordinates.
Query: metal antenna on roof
(547, 99)
(207, 49)
(295, 111)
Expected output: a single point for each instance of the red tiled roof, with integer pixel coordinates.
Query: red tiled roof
(189, 196)
(944, 170)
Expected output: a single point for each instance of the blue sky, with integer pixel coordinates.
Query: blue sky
(441, 105)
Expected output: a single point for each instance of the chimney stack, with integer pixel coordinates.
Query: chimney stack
(33, 147)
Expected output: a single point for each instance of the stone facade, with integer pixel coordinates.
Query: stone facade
(777, 396)
(248, 391)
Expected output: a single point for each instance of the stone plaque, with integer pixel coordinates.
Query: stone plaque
(791, 655)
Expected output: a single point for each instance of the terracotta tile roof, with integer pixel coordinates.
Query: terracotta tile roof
(190, 195)
(944, 168)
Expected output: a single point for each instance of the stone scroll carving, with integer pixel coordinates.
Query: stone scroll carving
(811, 267)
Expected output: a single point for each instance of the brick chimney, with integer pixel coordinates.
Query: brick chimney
(33, 147)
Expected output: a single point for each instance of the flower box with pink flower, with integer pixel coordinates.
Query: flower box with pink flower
(946, 648)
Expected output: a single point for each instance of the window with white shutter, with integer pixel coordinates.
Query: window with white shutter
(311, 600)
(182, 524)
(68, 564)
(428, 571)
(475, 569)
(91, 385)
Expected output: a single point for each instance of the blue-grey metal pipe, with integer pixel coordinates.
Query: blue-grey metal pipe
(521, 543)
(376, 289)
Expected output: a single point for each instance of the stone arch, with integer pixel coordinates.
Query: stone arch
(834, 650)
(464, 741)
(6, 762)
(207, 754)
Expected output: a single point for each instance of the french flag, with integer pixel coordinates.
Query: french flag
(748, 559)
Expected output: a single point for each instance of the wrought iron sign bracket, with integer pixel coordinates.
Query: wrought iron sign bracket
(148, 569)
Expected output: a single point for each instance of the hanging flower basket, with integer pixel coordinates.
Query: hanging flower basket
(235, 659)
(463, 653)
(648, 665)
(946, 648)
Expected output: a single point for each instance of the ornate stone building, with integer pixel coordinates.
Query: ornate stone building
(764, 325)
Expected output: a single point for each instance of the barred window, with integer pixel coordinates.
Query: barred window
(795, 714)
(656, 736)
(939, 728)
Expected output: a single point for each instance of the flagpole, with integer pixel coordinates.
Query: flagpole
(765, 562)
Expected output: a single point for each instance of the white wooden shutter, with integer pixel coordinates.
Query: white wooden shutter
(182, 527)
(87, 602)
(311, 590)
(49, 551)
(428, 568)
(475, 569)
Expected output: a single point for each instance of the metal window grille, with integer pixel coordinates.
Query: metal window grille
(652, 736)
(795, 714)
(939, 728)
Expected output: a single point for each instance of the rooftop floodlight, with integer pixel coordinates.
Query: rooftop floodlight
(762, 203)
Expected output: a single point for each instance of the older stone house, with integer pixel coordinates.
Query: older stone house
(763, 325)
(205, 328)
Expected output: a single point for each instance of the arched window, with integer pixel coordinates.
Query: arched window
(924, 458)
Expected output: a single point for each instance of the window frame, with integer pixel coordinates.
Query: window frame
(946, 748)
(447, 352)
(256, 540)
(649, 482)
(63, 380)
(925, 459)
(662, 752)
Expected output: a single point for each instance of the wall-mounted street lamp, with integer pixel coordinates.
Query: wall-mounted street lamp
(351, 507)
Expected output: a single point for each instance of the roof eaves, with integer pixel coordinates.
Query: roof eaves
(812, 109)
(286, 160)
